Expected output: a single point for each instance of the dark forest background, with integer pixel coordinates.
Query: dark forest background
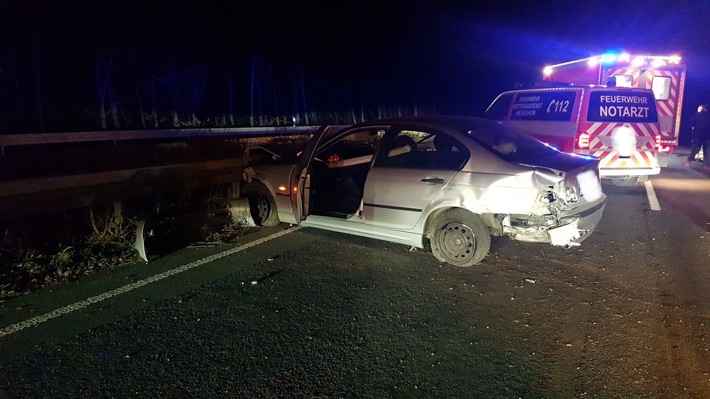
(78, 65)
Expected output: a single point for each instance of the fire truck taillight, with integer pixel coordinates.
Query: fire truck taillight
(583, 140)
(659, 144)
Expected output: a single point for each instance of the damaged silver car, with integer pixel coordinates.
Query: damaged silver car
(443, 183)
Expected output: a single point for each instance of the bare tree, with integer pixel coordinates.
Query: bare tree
(296, 119)
(153, 101)
(16, 80)
(275, 93)
(102, 76)
(153, 95)
(230, 97)
(113, 109)
(252, 88)
(38, 85)
(197, 85)
(173, 82)
(303, 97)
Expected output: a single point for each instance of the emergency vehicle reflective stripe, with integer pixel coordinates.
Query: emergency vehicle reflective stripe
(639, 159)
(635, 74)
(601, 144)
(650, 131)
(600, 134)
(665, 107)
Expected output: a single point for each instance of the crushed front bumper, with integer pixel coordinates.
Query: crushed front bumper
(578, 224)
(569, 228)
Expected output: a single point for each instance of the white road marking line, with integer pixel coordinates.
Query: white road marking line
(651, 193)
(13, 328)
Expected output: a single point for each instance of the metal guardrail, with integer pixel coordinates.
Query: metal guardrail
(40, 193)
(119, 135)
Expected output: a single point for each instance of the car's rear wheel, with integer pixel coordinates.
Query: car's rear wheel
(459, 237)
(261, 204)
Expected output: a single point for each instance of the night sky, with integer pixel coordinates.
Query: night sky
(60, 58)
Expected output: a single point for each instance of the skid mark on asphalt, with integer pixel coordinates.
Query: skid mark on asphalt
(13, 328)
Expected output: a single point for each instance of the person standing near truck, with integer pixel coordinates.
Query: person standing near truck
(700, 134)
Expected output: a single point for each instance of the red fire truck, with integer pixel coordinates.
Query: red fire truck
(665, 75)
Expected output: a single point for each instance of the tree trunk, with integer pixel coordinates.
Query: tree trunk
(102, 116)
(230, 98)
(275, 93)
(303, 97)
(102, 75)
(294, 99)
(20, 115)
(141, 110)
(251, 91)
(114, 109)
(198, 86)
(38, 86)
(153, 101)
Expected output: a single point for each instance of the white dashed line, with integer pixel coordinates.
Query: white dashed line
(13, 328)
(652, 199)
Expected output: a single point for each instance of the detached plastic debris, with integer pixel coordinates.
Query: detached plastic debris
(159, 235)
(139, 243)
(565, 235)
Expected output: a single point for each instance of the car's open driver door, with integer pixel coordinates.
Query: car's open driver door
(300, 177)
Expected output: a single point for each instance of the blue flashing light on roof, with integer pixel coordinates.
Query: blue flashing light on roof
(608, 58)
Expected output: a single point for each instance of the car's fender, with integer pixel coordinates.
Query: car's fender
(275, 179)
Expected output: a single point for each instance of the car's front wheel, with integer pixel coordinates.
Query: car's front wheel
(261, 204)
(459, 237)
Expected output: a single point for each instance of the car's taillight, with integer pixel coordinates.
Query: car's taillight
(583, 140)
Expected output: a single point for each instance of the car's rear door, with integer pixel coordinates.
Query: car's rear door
(406, 178)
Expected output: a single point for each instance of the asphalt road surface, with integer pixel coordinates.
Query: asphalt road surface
(313, 314)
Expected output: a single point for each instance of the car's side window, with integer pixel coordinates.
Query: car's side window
(411, 149)
(355, 148)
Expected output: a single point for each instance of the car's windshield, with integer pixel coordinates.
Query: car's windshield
(510, 144)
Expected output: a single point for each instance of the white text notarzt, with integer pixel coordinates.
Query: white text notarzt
(621, 111)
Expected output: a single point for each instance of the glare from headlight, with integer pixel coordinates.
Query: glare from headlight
(589, 186)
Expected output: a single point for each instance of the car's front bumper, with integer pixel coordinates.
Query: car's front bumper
(586, 220)
(567, 228)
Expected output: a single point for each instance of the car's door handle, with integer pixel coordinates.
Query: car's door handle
(433, 180)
